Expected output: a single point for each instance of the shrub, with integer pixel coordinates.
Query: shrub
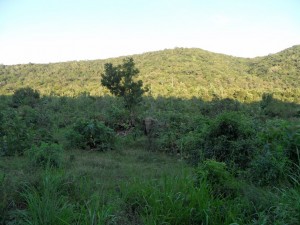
(25, 96)
(46, 155)
(269, 168)
(230, 138)
(177, 126)
(284, 134)
(117, 117)
(15, 137)
(92, 134)
(191, 146)
(280, 142)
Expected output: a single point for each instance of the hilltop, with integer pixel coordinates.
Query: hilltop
(179, 72)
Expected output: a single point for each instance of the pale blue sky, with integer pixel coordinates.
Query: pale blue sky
(42, 31)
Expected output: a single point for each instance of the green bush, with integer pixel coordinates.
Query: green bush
(117, 117)
(15, 137)
(230, 138)
(92, 134)
(175, 127)
(283, 134)
(25, 96)
(280, 142)
(269, 168)
(46, 155)
(191, 146)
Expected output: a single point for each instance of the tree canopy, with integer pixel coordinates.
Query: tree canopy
(120, 82)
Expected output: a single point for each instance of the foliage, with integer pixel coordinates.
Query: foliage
(47, 204)
(218, 177)
(51, 201)
(15, 138)
(46, 155)
(25, 96)
(230, 138)
(280, 142)
(180, 72)
(269, 168)
(273, 108)
(92, 134)
(176, 200)
(119, 81)
(246, 154)
(282, 66)
(174, 127)
(218, 106)
(280, 134)
(117, 117)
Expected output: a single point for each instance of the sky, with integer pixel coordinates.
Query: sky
(43, 31)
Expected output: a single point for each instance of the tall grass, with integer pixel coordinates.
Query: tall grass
(47, 204)
(94, 212)
(177, 200)
(59, 201)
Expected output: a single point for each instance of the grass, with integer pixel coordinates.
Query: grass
(132, 186)
(85, 191)
(109, 169)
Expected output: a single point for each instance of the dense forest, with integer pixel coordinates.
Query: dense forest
(212, 139)
(180, 72)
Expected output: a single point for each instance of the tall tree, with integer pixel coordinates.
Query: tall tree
(120, 82)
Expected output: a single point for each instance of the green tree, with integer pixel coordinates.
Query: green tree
(120, 82)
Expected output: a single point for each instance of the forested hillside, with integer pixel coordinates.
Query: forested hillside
(179, 72)
(69, 157)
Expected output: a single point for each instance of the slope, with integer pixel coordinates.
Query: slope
(178, 72)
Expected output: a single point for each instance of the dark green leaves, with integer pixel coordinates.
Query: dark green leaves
(120, 82)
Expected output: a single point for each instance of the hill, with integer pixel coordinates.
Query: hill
(90, 160)
(178, 72)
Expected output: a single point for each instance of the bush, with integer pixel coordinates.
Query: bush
(176, 127)
(269, 168)
(93, 135)
(280, 133)
(25, 96)
(191, 146)
(46, 155)
(15, 136)
(117, 117)
(280, 142)
(230, 138)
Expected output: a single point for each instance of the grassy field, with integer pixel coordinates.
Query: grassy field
(87, 176)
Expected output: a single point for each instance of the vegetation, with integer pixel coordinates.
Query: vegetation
(179, 72)
(76, 158)
(119, 81)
